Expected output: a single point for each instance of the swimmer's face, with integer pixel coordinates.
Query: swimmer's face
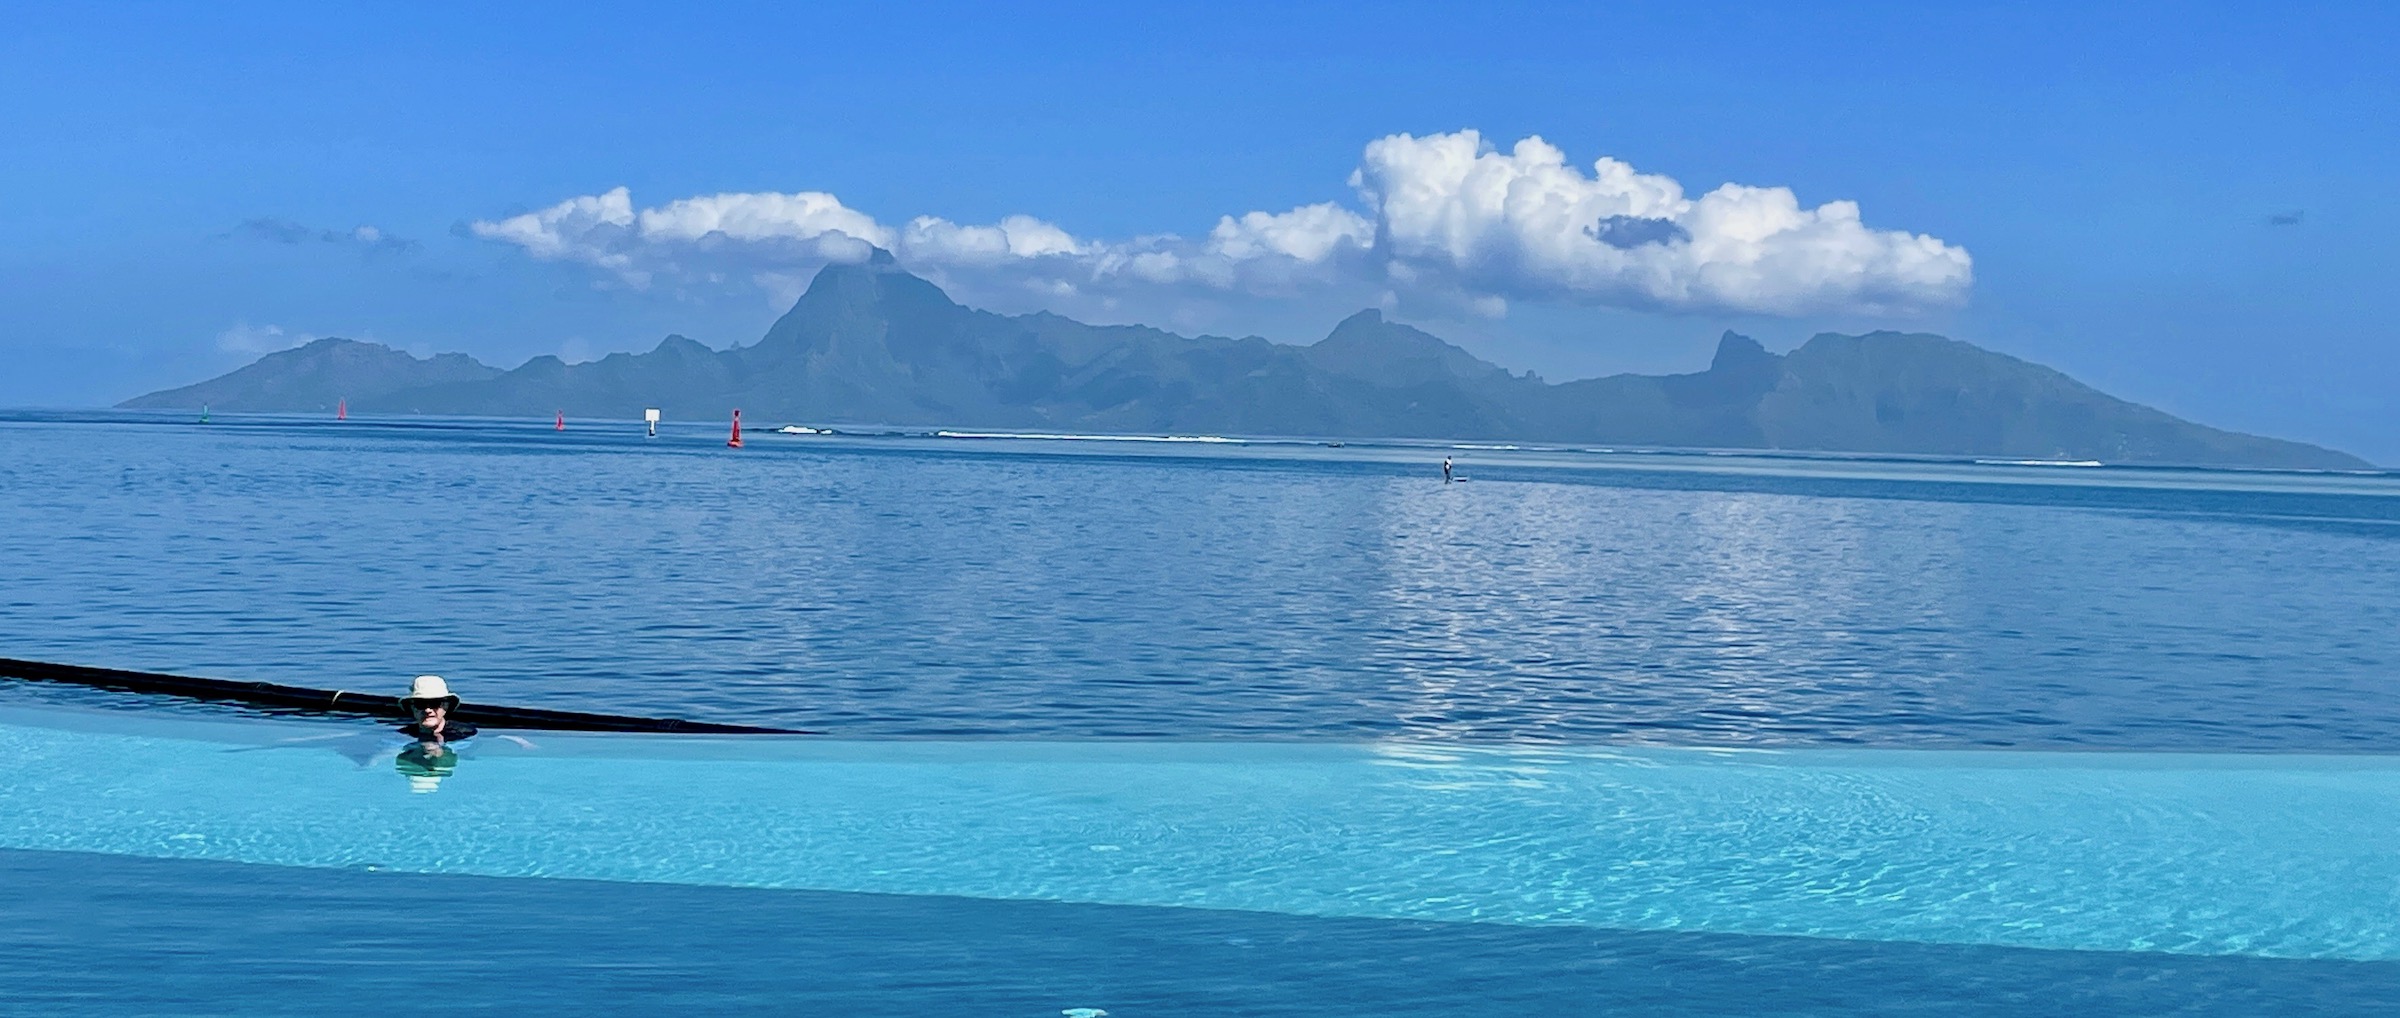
(433, 714)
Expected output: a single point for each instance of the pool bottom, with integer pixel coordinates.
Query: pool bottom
(102, 934)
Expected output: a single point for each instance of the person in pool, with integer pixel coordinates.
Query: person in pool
(429, 704)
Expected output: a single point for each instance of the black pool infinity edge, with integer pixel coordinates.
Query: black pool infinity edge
(342, 702)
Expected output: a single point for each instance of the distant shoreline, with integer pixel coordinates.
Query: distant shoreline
(683, 434)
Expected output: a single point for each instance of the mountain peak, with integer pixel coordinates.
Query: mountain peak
(1737, 352)
(1369, 316)
(682, 345)
(877, 281)
(878, 277)
(856, 305)
(1366, 347)
(1370, 327)
(321, 375)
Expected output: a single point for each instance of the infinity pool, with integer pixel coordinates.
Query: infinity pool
(2224, 855)
(1232, 730)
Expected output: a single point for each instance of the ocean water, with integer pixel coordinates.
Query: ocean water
(1197, 727)
(926, 587)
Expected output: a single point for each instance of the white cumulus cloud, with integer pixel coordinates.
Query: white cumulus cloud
(1526, 223)
(934, 240)
(605, 231)
(1444, 216)
(587, 229)
(1310, 233)
(814, 219)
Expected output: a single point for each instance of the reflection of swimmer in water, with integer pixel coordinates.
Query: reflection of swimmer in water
(1445, 470)
(425, 765)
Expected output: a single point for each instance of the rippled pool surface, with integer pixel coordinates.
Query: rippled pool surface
(2272, 856)
(1197, 728)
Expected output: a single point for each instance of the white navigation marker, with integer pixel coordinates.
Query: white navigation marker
(650, 417)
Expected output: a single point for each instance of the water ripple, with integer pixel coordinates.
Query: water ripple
(899, 589)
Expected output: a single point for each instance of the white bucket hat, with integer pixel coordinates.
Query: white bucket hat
(429, 687)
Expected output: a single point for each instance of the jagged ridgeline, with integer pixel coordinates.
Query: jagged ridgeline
(872, 343)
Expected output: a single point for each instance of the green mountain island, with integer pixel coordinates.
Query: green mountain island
(870, 343)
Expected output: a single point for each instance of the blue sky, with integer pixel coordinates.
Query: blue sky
(2187, 205)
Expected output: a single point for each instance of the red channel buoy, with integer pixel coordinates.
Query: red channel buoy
(736, 441)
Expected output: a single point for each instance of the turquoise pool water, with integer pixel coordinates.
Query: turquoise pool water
(2284, 856)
